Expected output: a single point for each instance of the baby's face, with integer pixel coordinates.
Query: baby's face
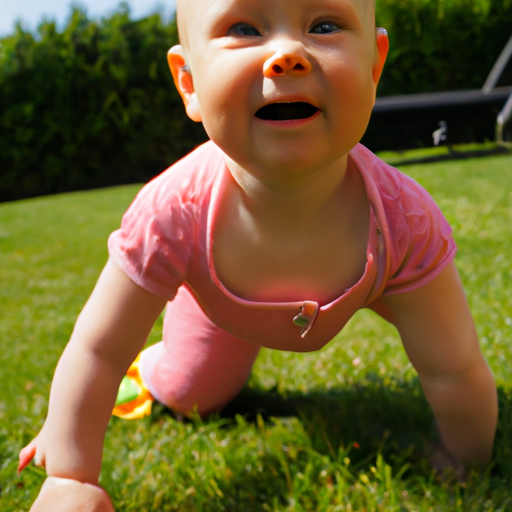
(280, 83)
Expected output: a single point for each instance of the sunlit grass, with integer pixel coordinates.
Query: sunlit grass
(343, 429)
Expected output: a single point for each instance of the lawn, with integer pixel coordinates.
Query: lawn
(342, 429)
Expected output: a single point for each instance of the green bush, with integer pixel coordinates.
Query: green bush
(94, 104)
(438, 45)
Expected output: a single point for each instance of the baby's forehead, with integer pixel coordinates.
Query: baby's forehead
(188, 11)
(185, 8)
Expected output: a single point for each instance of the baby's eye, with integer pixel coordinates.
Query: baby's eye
(243, 29)
(324, 27)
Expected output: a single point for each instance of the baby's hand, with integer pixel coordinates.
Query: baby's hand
(65, 495)
(27, 454)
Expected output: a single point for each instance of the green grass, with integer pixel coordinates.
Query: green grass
(343, 429)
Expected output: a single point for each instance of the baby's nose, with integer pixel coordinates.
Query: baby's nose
(281, 63)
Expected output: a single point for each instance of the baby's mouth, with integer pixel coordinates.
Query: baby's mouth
(286, 111)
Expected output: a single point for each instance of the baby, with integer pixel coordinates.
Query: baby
(272, 234)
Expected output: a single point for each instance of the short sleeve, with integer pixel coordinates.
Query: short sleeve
(421, 242)
(151, 246)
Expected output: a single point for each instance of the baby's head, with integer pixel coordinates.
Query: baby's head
(273, 76)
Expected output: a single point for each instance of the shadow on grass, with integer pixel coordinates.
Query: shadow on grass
(373, 416)
(377, 415)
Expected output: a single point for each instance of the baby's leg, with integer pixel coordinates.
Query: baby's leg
(198, 364)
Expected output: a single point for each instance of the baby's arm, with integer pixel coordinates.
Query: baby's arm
(439, 336)
(108, 334)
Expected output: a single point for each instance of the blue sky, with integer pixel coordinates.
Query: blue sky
(31, 12)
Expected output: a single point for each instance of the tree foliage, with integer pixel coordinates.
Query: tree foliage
(442, 45)
(90, 106)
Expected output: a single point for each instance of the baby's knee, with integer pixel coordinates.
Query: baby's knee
(189, 403)
(176, 389)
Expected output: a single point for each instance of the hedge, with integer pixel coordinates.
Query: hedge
(94, 105)
(91, 106)
(442, 45)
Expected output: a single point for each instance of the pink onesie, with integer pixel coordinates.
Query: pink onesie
(211, 337)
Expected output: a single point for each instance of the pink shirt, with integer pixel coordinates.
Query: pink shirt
(165, 241)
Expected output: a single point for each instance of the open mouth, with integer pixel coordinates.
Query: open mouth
(286, 111)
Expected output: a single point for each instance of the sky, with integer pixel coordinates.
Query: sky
(31, 12)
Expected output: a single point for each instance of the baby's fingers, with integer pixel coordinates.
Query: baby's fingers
(27, 454)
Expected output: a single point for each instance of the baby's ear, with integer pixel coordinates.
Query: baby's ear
(381, 52)
(183, 81)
